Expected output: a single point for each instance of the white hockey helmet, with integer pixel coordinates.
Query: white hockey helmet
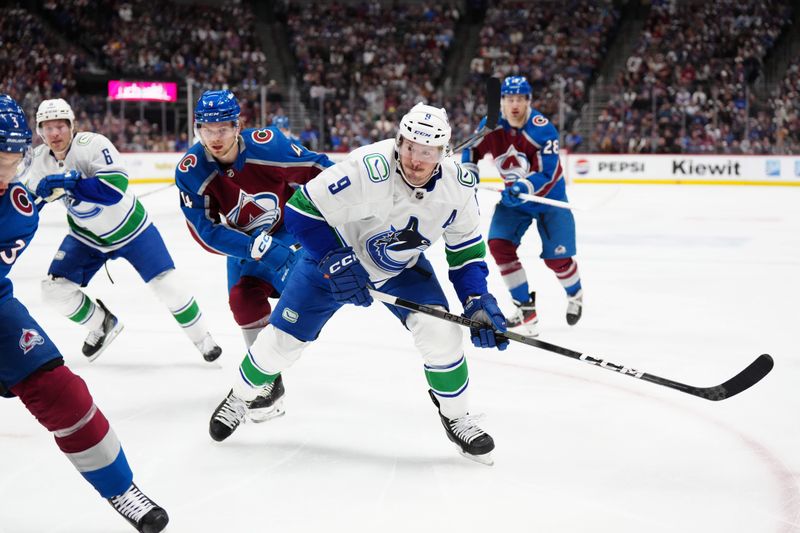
(426, 124)
(55, 109)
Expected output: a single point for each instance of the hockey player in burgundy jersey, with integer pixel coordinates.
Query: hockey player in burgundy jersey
(31, 366)
(524, 145)
(233, 186)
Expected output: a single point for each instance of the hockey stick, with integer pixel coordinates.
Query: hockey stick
(492, 115)
(533, 198)
(159, 189)
(745, 379)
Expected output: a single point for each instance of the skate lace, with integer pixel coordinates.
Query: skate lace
(466, 427)
(232, 412)
(94, 336)
(132, 504)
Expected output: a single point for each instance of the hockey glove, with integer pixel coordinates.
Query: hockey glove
(270, 251)
(55, 186)
(348, 279)
(510, 195)
(484, 309)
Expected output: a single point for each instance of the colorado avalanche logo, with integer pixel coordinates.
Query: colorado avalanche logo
(187, 162)
(513, 165)
(539, 120)
(21, 202)
(392, 250)
(254, 211)
(29, 339)
(262, 136)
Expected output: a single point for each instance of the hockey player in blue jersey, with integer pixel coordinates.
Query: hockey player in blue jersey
(233, 186)
(282, 123)
(524, 145)
(31, 366)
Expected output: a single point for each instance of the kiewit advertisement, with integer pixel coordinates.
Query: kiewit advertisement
(688, 169)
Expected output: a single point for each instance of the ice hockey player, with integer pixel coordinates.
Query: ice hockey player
(365, 222)
(282, 123)
(525, 149)
(233, 186)
(31, 366)
(86, 173)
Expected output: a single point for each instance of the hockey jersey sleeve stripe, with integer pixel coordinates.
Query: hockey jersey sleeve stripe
(459, 258)
(470, 279)
(464, 244)
(117, 180)
(98, 191)
(301, 202)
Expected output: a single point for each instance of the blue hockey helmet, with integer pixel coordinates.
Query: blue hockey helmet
(281, 121)
(217, 106)
(15, 135)
(515, 85)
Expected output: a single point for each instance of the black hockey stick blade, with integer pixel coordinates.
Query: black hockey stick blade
(742, 381)
(738, 383)
(492, 102)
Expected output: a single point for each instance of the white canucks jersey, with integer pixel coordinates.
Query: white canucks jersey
(106, 227)
(387, 222)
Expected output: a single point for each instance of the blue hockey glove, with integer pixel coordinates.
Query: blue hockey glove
(270, 251)
(54, 186)
(348, 279)
(484, 309)
(510, 195)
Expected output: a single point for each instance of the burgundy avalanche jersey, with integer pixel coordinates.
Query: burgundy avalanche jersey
(224, 204)
(529, 152)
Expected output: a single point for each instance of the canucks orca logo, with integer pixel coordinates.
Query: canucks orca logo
(392, 250)
(254, 210)
(513, 164)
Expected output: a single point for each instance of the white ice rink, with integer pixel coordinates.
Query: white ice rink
(685, 282)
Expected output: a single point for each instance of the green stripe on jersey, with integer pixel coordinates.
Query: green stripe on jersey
(253, 374)
(447, 380)
(459, 258)
(116, 180)
(302, 203)
(135, 220)
(188, 315)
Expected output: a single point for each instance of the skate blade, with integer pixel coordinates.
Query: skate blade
(526, 330)
(109, 338)
(485, 459)
(258, 416)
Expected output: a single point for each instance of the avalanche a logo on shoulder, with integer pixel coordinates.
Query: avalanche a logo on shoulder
(29, 339)
(21, 202)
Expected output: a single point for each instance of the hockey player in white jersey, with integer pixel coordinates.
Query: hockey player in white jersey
(366, 222)
(85, 172)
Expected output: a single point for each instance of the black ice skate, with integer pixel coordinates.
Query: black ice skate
(139, 510)
(99, 339)
(574, 308)
(269, 402)
(472, 442)
(524, 320)
(227, 417)
(210, 350)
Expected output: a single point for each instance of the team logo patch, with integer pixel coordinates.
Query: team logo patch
(560, 249)
(392, 250)
(254, 211)
(290, 315)
(29, 339)
(262, 136)
(21, 202)
(539, 120)
(513, 164)
(187, 162)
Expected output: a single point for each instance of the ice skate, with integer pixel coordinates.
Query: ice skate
(99, 339)
(210, 350)
(472, 442)
(574, 308)
(524, 320)
(269, 402)
(139, 510)
(227, 417)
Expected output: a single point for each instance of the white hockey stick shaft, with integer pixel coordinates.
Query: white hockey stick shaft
(531, 197)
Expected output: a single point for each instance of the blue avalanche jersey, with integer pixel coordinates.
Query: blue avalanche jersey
(19, 219)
